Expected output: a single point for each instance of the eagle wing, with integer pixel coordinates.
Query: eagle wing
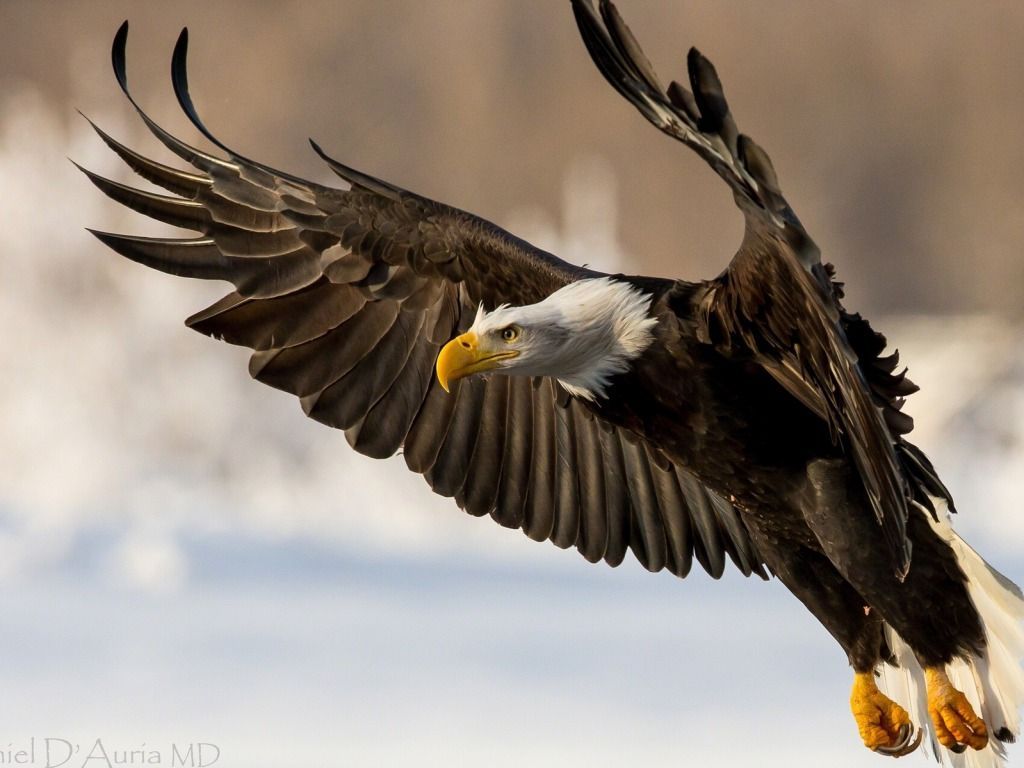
(777, 301)
(346, 297)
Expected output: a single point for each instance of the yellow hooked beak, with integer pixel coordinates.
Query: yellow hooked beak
(462, 357)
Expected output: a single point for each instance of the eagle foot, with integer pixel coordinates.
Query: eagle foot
(957, 725)
(883, 724)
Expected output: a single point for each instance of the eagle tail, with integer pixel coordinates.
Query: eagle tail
(992, 681)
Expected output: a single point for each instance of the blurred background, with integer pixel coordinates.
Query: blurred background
(184, 558)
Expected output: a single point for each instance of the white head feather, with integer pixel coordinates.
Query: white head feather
(581, 334)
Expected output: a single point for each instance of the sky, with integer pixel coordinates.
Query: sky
(184, 558)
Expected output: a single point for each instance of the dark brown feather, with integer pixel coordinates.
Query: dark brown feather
(388, 423)
(348, 399)
(647, 535)
(345, 296)
(677, 527)
(593, 536)
(518, 461)
(539, 521)
(309, 368)
(448, 474)
(428, 431)
(482, 481)
(616, 495)
(278, 323)
(567, 478)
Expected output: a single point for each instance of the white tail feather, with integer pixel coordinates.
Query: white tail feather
(993, 683)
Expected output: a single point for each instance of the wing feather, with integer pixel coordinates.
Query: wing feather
(344, 402)
(429, 429)
(647, 536)
(484, 475)
(448, 474)
(540, 509)
(345, 296)
(593, 534)
(384, 429)
(307, 369)
(617, 500)
(567, 478)
(518, 461)
(285, 321)
(677, 527)
(187, 185)
(175, 211)
(777, 301)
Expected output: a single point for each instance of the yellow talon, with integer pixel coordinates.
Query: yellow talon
(956, 722)
(883, 724)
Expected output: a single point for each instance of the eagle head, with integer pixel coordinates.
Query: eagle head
(582, 334)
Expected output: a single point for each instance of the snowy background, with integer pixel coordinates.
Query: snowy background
(184, 558)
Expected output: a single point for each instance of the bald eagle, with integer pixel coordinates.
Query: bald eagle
(749, 417)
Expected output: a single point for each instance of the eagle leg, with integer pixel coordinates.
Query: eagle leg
(883, 724)
(957, 725)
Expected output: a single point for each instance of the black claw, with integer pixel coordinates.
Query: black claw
(896, 749)
(916, 743)
(958, 748)
(907, 740)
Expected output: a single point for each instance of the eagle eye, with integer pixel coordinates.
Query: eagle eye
(510, 334)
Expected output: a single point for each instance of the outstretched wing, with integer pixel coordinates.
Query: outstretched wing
(347, 295)
(777, 301)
